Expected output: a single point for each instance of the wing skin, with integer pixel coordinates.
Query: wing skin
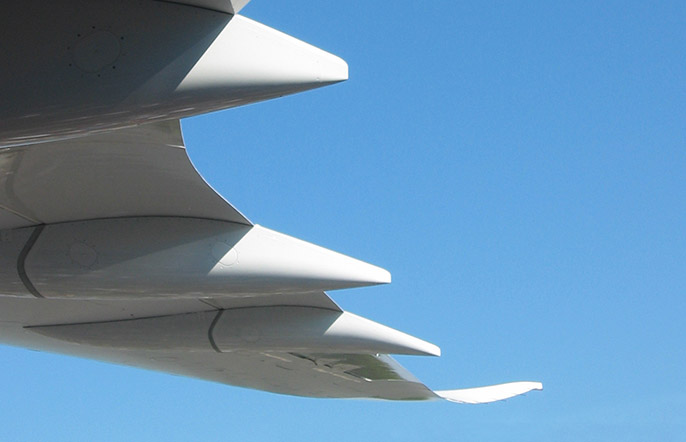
(297, 343)
(140, 171)
(218, 346)
(190, 345)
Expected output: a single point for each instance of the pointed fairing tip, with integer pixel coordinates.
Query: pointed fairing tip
(356, 330)
(252, 62)
(302, 265)
(491, 393)
(332, 69)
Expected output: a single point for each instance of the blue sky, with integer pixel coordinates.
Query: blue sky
(520, 168)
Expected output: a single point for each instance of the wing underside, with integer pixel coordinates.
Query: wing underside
(141, 171)
(255, 353)
(284, 341)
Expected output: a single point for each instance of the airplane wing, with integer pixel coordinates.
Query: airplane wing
(141, 171)
(299, 372)
(114, 248)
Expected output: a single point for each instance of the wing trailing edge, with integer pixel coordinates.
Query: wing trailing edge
(298, 350)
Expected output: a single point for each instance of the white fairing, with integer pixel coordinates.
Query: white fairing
(85, 66)
(271, 329)
(113, 247)
(273, 62)
(129, 258)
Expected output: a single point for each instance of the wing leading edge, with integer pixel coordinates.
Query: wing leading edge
(244, 332)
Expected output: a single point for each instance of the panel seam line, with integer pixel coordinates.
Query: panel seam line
(21, 261)
(210, 332)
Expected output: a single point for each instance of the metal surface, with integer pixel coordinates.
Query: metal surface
(84, 66)
(113, 247)
(272, 329)
(140, 171)
(129, 258)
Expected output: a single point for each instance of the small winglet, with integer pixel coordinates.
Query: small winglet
(491, 393)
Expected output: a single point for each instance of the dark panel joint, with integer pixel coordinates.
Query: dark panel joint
(21, 261)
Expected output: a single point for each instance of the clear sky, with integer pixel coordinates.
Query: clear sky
(520, 169)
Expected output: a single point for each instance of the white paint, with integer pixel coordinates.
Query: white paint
(169, 257)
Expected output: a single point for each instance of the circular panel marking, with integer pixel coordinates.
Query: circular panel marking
(224, 254)
(95, 51)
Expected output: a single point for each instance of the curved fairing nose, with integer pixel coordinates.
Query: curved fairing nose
(270, 261)
(161, 60)
(262, 62)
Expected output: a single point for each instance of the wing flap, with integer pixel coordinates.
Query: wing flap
(301, 351)
(139, 171)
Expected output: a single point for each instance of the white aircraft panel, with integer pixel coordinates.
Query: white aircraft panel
(139, 171)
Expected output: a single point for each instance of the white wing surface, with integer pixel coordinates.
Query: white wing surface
(114, 248)
(219, 346)
(141, 171)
